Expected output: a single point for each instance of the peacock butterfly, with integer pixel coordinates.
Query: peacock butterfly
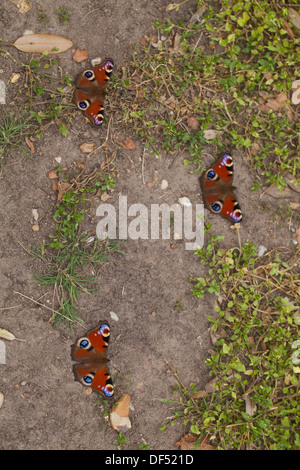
(89, 352)
(218, 191)
(90, 91)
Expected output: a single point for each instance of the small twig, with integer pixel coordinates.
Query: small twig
(49, 308)
(13, 306)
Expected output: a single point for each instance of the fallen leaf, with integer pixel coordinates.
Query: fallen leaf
(35, 227)
(1, 399)
(278, 103)
(128, 144)
(55, 185)
(294, 18)
(294, 205)
(8, 335)
(62, 188)
(177, 45)
(23, 5)
(87, 147)
(193, 123)
(296, 94)
(43, 43)
(187, 442)
(104, 196)
(80, 55)
(250, 405)
(200, 394)
(30, 144)
(210, 134)
(52, 175)
(286, 26)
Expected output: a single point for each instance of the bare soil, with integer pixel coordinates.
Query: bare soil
(44, 408)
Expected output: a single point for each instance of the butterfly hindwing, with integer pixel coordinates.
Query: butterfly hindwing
(218, 191)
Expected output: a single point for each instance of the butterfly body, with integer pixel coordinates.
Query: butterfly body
(90, 91)
(218, 191)
(89, 352)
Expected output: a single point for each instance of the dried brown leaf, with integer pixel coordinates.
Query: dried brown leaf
(52, 175)
(187, 442)
(193, 123)
(128, 144)
(87, 147)
(80, 55)
(294, 17)
(62, 188)
(22, 5)
(250, 405)
(30, 144)
(43, 43)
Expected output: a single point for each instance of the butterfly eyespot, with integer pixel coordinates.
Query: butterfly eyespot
(211, 175)
(216, 206)
(85, 344)
(227, 159)
(88, 379)
(89, 74)
(109, 66)
(109, 390)
(237, 215)
(105, 330)
(83, 104)
(99, 118)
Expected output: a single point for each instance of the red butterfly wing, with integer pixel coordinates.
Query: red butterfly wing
(90, 90)
(90, 353)
(217, 189)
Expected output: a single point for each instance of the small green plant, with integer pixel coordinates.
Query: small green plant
(13, 129)
(144, 446)
(179, 305)
(255, 402)
(62, 15)
(43, 18)
(120, 441)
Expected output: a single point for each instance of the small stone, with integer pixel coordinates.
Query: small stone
(164, 184)
(114, 316)
(35, 228)
(119, 418)
(184, 201)
(96, 61)
(261, 250)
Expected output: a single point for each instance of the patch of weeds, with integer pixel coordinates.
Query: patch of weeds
(63, 15)
(13, 129)
(47, 91)
(255, 402)
(72, 258)
(221, 71)
(43, 18)
(47, 95)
